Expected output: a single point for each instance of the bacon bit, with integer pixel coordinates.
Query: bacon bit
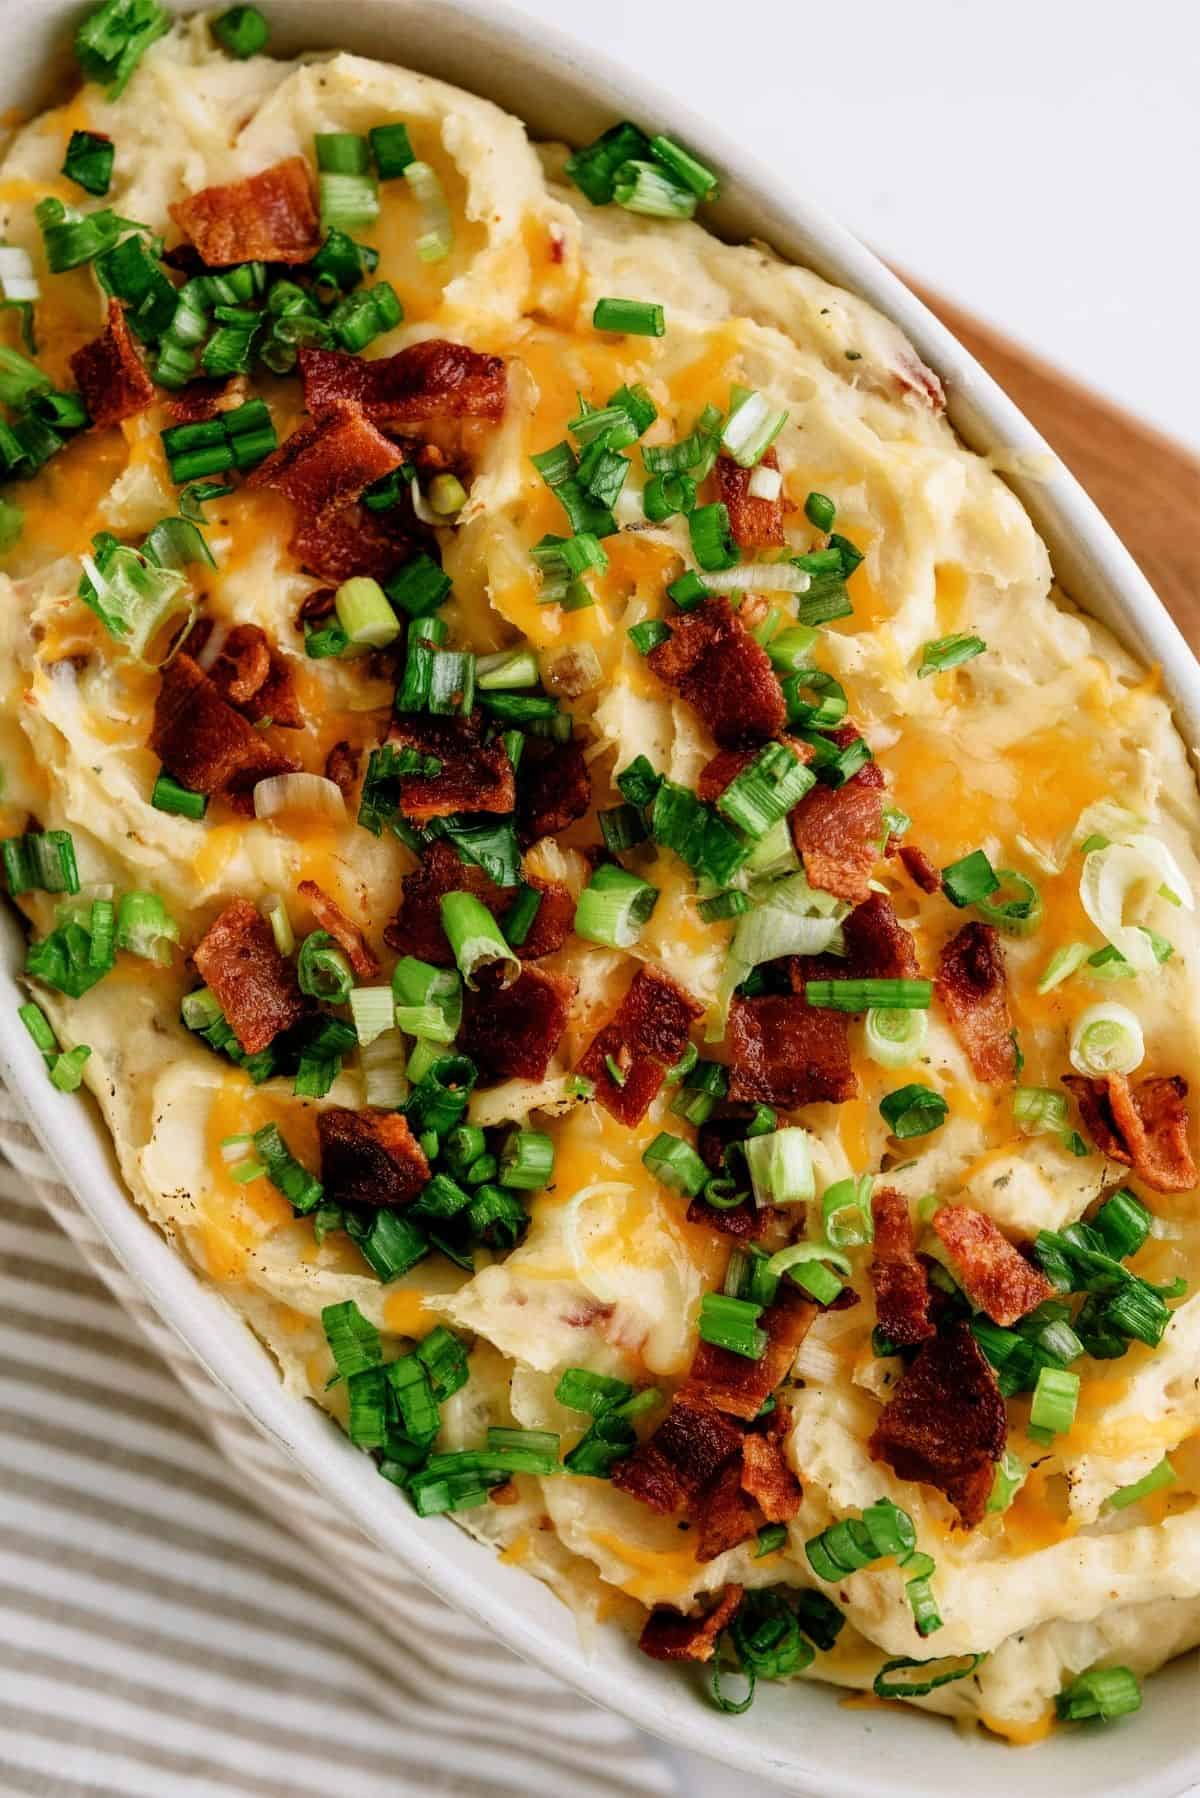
(687, 1451)
(715, 664)
(899, 1279)
(513, 1032)
(346, 935)
(352, 542)
(475, 776)
(919, 867)
(251, 675)
(369, 1157)
(721, 771)
(1143, 1127)
(734, 1384)
(205, 399)
(504, 1494)
(670, 1636)
(877, 947)
(645, 1036)
(110, 374)
(203, 742)
(785, 1052)
(417, 930)
(769, 1480)
(327, 463)
(320, 603)
(553, 788)
(971, 984)
(254, 985)
(433, 379)
(723, 1515)
(341, 767)
(745, 1223)
(945, 1423)
(993, 1275)
(269, 217)
(912, 376)
(755, 523)
(837, 830)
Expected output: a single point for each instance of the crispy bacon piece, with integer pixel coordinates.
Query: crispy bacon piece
(745, 1223)
(353, 541)
(737, 1385)
(915, 377)
(755, 523)
(945, 1422)
(268, 217)
(645, 1036)
(1144, 1127)
(348, 937)
(724, 1515)
(110, 375)
(723, 769)
(341, 767)
(838, 830)
(711, 659)
(766, 1476)
(919, 867)
(203, 742)
(670, 1636)
(899, 1279)
(369, 1158)
(513, 1032)
(877, 945)
(785, 1052)
(327, 462)
(474, 777)
(203, 399)
(687, 1451)
(250, 674)
(553, 788)
(995, 1277)
(433, 379)
(972, 986)
(254, 984)
(417, 930)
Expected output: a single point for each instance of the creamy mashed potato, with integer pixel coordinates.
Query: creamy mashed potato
(1005, 754)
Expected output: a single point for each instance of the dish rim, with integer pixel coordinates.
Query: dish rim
(836, 1752)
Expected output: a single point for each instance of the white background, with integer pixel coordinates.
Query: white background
(1037, 161)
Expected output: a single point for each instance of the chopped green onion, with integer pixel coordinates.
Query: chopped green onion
(666, 495)
(353, 1340)
(770, 1539)
(349, 196)
(1106, 1039)
(497, 1217)
(1019, 914)
(1011, 1474)
(242, 31)
(949, 652)
(688, 591)
(1062, 964)
(790, 649)
(867, 995)
(830, 707)
(713, 542)
(390, 1242)
(1124, 1223)
(506, 669)
(1104, 1692)
(781, 1168)
(1158, 1477)
(621, 827)
(40, 861)
(322, 970)
(113, 38)
(894, 1036)
(645, 188)
(428, 1000)
(12, 523)
(169, 796)
(357, 321)
(419, 588)
(750, 430)
(805, 1263)
(913, 1110)
(476, 939)
(1055, 1398)
(766, 790)
(1039, 1110)
(676, 1164)
(732, 1324)
(594, 169)
(968, 881)
(302, 1190)
(732, 903)
(685, 168)
(373, 1009)
(436, 240)
(922, 1677)
(391, 149)
(649, 634)
(236, 439)
(89, 161)
(846, 1213)
(636, 318)
(926, 1616)
(527, 1160)
(440, 1096)
(364, 613)
(820, 511)
(845, 1547)
(519, 919)
(614, 907)
(144, 927)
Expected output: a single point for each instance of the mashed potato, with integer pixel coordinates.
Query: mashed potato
(1005, 753)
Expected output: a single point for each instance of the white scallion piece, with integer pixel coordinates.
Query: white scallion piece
(1106, 1039)
(298, 792)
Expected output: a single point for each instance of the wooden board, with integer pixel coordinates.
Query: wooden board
(1147, 486)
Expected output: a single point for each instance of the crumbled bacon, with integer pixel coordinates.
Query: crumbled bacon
(768, 1479)
(920, 868)
(369, 1157)
(553, 788)
(785, 1052)
(353, 541)
(899, 1279)
(687, 1451)
(1144, 1127)
(203, 742)
(993, 1275)
(645, 1036)
(417, 930)
(972, 986)
(347, 936)
(250, 674)
(838, 830)
(745, 1222)
(513, 1032)
(433, 379)
(670, 1636)
(110, 375)
(268, 217)
(915, 377)
(474, 776)
(254, 984)
(327, 463)
(341, 767)
(711, 659)
(877, 945)
(945, 1422)
(739, 1386)
(203, 399)
(724, 1516)
(721, 770)
(755, 523)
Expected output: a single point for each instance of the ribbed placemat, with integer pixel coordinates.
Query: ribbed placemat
(182, 1613)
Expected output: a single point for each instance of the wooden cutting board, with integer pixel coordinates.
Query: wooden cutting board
(1147, 486)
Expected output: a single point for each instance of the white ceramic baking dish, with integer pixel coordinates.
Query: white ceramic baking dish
(798, 1734)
